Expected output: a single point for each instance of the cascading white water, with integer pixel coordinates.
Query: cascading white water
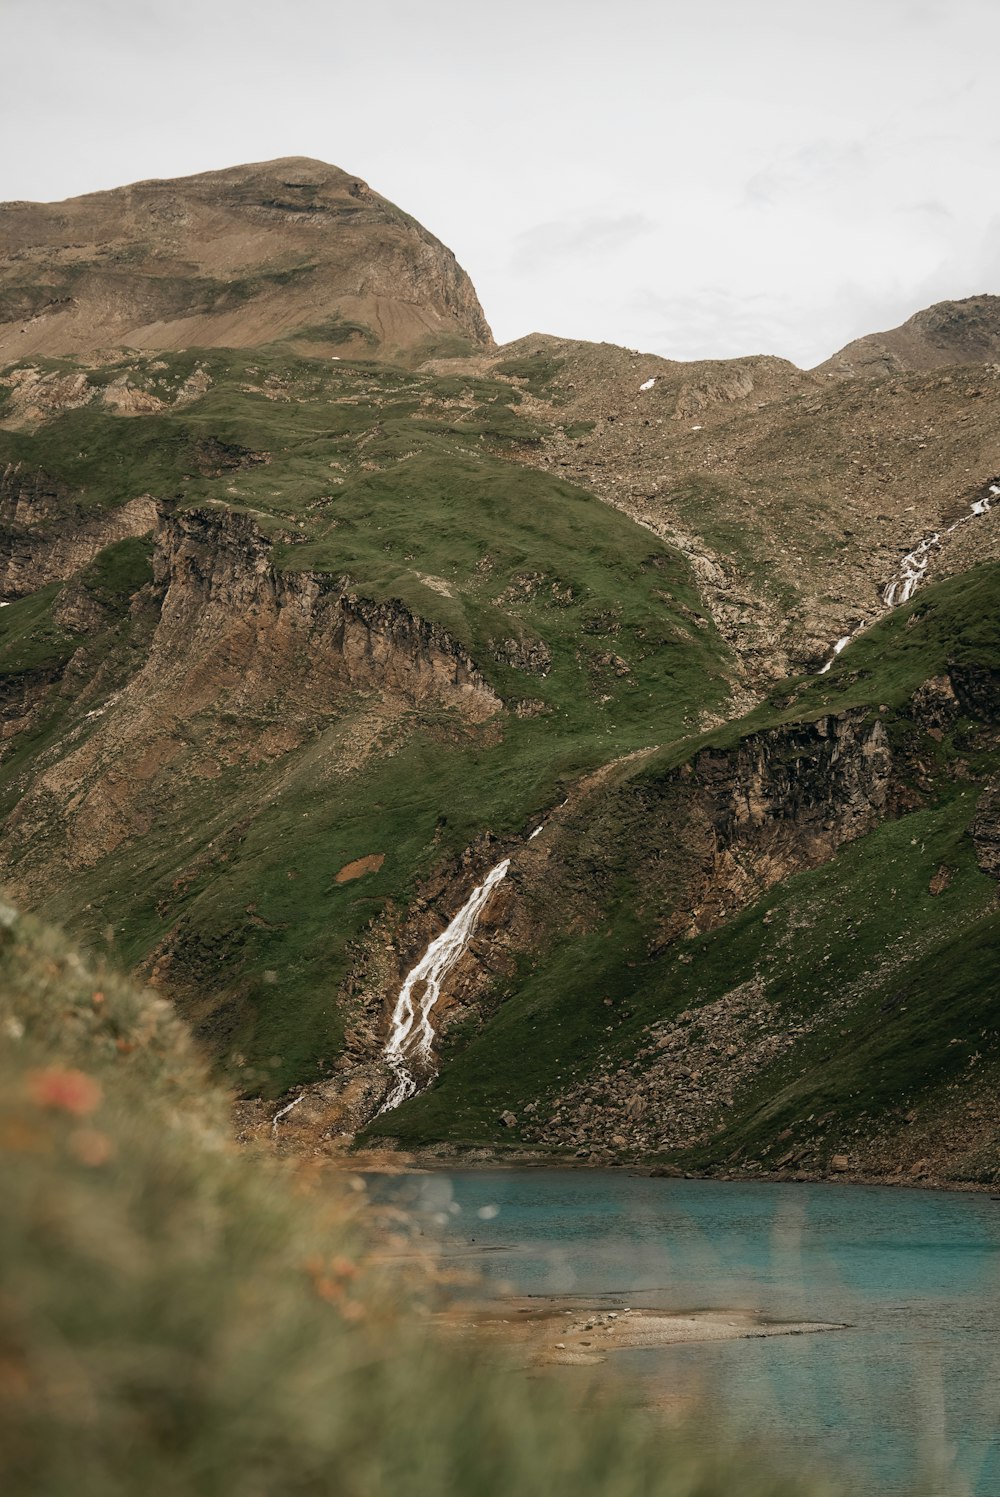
(412, 1035)
(841, 644)
(913, 568)
(911, 571)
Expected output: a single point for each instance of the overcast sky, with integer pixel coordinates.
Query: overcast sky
(696, 178)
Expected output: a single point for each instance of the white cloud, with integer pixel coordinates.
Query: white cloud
(576, 238)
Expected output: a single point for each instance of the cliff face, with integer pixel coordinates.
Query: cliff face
(47, 537)
(232, 624)
(292, 248)
(245, 664)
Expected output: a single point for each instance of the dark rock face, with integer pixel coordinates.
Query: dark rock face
(935, 705)
(214, 457)
(977, 688)
(29, 496)
(47, 535)
(734, 822)
(226, 604)
(791, 797)
(985, 830)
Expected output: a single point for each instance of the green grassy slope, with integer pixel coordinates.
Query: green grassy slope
(400, 483)
(891, 992)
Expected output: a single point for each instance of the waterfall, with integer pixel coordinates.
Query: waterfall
(412, 1035)
(911, 571)
(913, 568)
(287, 1108)
(841, 644)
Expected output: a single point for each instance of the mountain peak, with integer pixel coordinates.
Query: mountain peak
(949, 332)
(247, 255)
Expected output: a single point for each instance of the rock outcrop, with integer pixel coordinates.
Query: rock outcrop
(232, 621)
(48, 534)
(246, 661)
(985, 830)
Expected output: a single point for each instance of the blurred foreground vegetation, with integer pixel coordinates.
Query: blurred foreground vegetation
(180, 1317)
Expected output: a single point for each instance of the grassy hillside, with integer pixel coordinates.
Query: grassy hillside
(876, 973)
(178, 1318)
(588, 627)
(418, 490)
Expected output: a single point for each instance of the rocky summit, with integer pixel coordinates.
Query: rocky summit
(280, 249)
(548, 751)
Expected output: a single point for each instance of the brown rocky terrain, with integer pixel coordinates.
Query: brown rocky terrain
(215, 688)
(794, 494)
(282, 249)
(938, 337)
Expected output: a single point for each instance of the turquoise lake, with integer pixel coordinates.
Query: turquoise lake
(913, 1384)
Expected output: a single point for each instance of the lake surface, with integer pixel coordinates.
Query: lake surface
(915, 1380)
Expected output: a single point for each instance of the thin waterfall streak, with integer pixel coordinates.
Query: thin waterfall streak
(841, 644)
(287, 1108)
(411, 1034)
(913, 569)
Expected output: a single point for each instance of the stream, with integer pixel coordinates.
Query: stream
(913, 569)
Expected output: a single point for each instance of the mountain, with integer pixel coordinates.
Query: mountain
(297, 652)
(793, 496)
(949, 333)
(288, 249)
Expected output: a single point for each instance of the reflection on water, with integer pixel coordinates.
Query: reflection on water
(916, 1273)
